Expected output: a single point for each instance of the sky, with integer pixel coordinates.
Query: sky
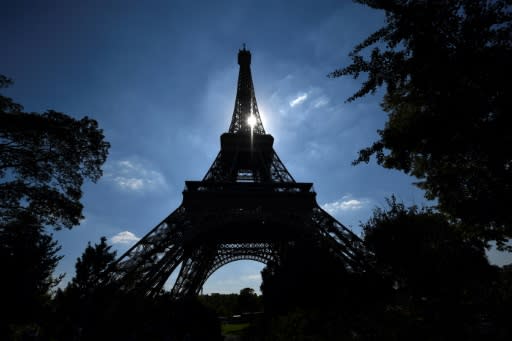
(160, 78)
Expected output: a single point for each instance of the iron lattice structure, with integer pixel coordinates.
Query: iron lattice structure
(248, 206)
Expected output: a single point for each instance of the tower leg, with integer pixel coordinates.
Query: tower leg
(194, 271)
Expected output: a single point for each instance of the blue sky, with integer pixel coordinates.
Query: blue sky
(160, 78)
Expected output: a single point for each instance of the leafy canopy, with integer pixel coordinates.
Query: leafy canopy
(446, 69)
(92, 268)
(44, 160)
(29, 257)
(420, 247)
(441, 279)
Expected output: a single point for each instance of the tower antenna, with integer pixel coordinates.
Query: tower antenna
(247, 207)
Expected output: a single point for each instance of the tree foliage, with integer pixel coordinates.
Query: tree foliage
(446, 69)
(426, 280)
(442, 281)
(224, 305)
(29, 257)
(92, 309)
(248, 301)
(423, 251)
(44, 160)
(313, 295)
(84, 303)
(92, 268)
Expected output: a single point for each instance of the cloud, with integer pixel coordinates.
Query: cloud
(298, 100)
(234, 276)
(125, 237)
(318, 150)
(253, 277)
(228, 283)
(134, 176)
(346, 203)
(321, 102)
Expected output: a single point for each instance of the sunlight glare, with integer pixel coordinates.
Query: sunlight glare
(251, 121)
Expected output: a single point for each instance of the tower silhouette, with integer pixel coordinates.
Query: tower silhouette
(248, 206)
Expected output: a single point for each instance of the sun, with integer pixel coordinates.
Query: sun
(251, 121)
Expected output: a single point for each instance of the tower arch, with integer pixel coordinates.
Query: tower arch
(247, 206)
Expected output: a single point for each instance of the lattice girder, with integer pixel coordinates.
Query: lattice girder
(136, 267)
(209, 258)
(193, 270)
(203, 240)
(259, 252)
(248, 206)
(245, 102)
(253, 155)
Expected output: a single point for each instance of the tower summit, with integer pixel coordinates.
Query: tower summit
(247, 153)
(248, 206)
(246, 108)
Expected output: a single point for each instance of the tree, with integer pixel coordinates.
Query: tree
(224, 305)
(92, 268)
(248, 301)
(312, 294)
(82, 307)
(44, 160)
(446, 67)
(28, 257)
(441, 279)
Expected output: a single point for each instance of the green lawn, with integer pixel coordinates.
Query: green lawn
(234, 328)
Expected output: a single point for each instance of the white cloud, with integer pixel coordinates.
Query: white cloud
(318, 150)
(313, 149)
(134, 176)
(125, 237)
(253, 277)
(234, 276)
(321, 102)
(344, 204)
(229, 283)
(298, 100)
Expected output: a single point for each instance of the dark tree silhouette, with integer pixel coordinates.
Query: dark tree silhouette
(83, 305)
(92, 268)
(44, 160)
(427, 279)
(442, 280)
(91, 309)
(248, 301)
(446, 67)
(28, 256)
(312, 296)
(224, 305)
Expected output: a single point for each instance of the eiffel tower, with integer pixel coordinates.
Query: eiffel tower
(247, 207)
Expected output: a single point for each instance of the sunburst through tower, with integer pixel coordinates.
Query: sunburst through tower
(247, 207)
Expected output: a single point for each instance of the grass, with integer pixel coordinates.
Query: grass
(234, 328)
